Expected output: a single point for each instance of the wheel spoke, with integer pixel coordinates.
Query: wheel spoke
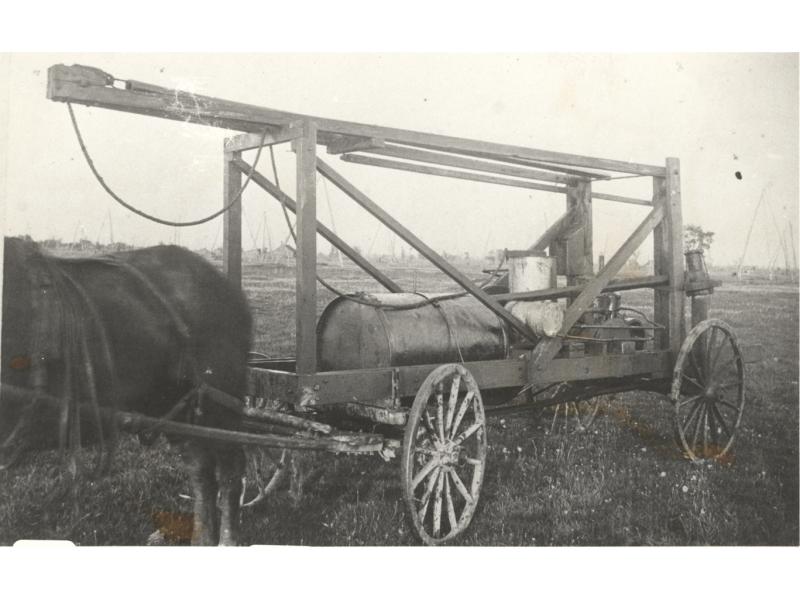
(732, 361)
(472, 429)
(425, 500)
(465, 404)
(440, 412)
(429, 466)
(693, 361)
(697, 425)
(699, 387)
(711, 424)
(429, 424)
(693, 412)
(714, 360)
(719, 417)
(692, 399)
(437, 505)
(729, 385)
(462, 489)
(451, 509)
(729, 405)
(451, 403)
(711, 338)
(705, 433)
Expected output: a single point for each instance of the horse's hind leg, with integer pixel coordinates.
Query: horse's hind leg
(200, 463)
(230, 471)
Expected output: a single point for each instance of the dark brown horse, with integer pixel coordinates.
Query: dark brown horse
(143, 331)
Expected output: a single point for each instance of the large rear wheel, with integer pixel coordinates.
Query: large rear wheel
(708, 390)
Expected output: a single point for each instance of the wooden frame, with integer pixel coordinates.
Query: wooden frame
(569, 239)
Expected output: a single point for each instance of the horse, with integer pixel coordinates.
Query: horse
(143, 331)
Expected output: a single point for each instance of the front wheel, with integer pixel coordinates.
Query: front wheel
(444, 454)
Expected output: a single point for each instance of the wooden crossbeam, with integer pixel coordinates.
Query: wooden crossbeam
(250, 141)
(421, 247)
(93, 87)
(326, 233)
(461, 162)
(617, 285)
(623, 199)
(546, 349)
(440, 172)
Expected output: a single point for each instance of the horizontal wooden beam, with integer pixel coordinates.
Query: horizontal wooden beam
(93, 87)
(462, 162)
(616, 285)
(421, 247)
(440, 172)
(249, 141)
(623, 199)
(329, 235)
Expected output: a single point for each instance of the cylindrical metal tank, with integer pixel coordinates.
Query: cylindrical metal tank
(529, 270)
(394, 330)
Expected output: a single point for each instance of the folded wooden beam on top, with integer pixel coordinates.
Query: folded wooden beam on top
(462, 162)
(329, 235)
(93, 87)
(440, 172)
(524, 162)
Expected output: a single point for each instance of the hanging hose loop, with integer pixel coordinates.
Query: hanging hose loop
(150, 217)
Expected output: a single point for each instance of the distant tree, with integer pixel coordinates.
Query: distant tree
(696, 238)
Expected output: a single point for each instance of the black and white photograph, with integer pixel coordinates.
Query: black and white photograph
(395, 299)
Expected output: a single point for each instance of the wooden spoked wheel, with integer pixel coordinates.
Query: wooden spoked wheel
(708, 390)
(444, 454)
(574, 417)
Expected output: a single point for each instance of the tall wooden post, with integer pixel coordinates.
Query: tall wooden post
(232, 221)
(579, 265)
(668, 259)
(305, 148)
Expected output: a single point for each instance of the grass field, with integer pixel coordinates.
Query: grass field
(622, 483)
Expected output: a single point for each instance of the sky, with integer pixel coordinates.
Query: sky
(719, 113)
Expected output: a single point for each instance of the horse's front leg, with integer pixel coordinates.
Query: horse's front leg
(230, 471)
(200, 464)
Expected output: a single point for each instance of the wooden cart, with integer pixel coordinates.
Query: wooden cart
(438, 408)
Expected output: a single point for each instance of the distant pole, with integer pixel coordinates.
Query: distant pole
(110, 228)
(265, 233)
(750, 231)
